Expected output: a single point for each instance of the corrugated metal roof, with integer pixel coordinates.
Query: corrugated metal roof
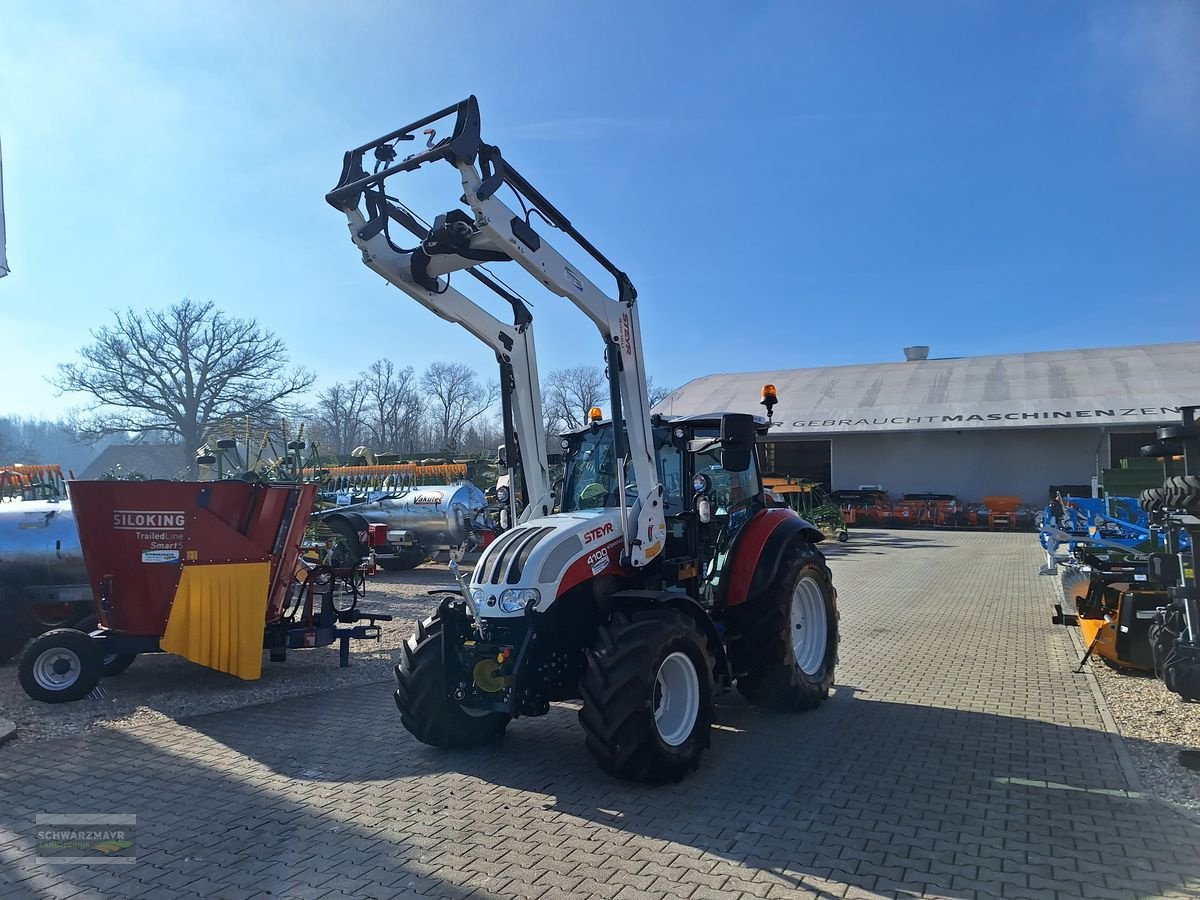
(1107, 386)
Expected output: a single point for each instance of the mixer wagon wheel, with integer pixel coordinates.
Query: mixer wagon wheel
(425, 708)
(60, 666)
(789, 636)
(113, 663)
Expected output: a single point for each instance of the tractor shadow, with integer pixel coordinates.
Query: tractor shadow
(891, 797)
(874, 542)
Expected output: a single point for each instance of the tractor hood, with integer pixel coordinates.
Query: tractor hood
(549, 555)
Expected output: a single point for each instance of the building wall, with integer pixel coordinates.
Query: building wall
(970, 464)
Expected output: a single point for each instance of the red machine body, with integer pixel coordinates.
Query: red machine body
(136, 537)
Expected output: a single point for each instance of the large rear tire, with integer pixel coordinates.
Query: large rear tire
(425, 709)
(648, 695)
(788, 636)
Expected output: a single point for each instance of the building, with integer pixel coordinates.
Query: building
(970, 426)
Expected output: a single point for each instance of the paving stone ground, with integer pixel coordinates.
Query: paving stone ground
(959, 757)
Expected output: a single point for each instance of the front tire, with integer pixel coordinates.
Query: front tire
(425, 709)
(789, 636)
(60, 666)
(648, 695)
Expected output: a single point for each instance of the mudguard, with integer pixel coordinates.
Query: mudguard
(760, 547)
(688, 607)
(355, 521)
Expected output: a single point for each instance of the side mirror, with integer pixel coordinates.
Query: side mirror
(737, 441)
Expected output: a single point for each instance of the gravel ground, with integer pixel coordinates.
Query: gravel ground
(1156, 725)
(161, 686)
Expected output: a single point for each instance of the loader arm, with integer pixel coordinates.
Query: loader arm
(496, 233)
(513, 345)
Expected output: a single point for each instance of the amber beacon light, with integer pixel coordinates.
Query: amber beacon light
(769, 399)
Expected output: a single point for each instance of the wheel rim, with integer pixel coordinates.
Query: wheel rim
(676, 698)
(809, 626)
(57, 669)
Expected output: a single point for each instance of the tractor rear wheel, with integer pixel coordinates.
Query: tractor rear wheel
(425, 709)
(648, 695)
(788, 637)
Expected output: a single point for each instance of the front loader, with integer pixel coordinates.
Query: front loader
(664, 577)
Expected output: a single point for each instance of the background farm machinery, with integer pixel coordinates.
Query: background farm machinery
(874, 507)
(812, 503)
(1129, 579)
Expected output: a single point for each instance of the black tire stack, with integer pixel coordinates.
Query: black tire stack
(1175, 658)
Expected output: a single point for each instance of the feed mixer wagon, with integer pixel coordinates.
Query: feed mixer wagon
(209, 571)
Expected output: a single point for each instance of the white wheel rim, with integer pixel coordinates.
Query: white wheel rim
(809, 627)
(57, 669)
(676, 698)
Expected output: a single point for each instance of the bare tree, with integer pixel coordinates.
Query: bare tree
(455, 399)
(568, 394)
(391, 405)
(181, 372)
(339, 415)
(656, 393)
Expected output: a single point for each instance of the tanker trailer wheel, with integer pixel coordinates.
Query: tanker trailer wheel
(789, 636)
(112, 664)
(648, 695)
(425, 709)
(60, 666)
(402, 562)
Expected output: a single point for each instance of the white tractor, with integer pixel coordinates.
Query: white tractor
(664, 575)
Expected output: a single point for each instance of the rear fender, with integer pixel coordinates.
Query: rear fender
(354, 520)
(761, 547)
(690, 608)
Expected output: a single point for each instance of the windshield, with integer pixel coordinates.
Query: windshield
(591, 473)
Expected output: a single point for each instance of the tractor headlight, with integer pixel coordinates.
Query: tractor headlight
(502, 494)
(516, 599)
(477, 597)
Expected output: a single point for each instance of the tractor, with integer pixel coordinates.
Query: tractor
(655, 573)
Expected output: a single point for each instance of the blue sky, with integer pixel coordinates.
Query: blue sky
(788, 184)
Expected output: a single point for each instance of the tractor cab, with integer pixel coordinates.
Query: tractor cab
(708, 468)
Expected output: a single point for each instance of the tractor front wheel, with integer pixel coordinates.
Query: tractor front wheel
(788, 637)
(648, 695)
(426, 710)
